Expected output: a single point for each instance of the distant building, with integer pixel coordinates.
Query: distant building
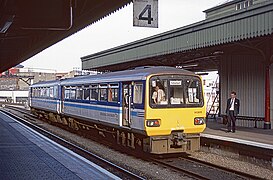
(14, 83)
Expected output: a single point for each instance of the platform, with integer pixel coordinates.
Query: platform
(25, 154)
(244, 135)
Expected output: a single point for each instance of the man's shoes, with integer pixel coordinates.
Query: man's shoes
(228, 131)
(233, 131)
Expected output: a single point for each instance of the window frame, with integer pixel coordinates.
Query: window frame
(169, 77)
(142, 92)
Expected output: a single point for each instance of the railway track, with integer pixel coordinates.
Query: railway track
(115, 169)
(185, 165)
(202, 170)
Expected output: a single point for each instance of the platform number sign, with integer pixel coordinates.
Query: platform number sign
(146, 13)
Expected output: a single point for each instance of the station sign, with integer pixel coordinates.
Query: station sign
(145, 13)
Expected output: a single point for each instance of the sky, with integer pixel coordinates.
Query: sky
(117, 29)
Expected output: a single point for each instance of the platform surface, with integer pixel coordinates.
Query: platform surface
(25, 154)
(246, 135)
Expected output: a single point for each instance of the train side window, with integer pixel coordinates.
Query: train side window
(86, 93)
(113, 93)
(47, 92)
(34, 92)
(94, 93)
(79, 93)
(44, 92)
(138, 93)
(103, 92)
(73, 93)
(51, 92)
(55, 91)
(66, 93)
(38, 92)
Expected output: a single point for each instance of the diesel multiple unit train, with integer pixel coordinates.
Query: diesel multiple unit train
(156, 109)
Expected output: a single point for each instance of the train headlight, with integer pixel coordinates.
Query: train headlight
(152, 123)
(199, 121)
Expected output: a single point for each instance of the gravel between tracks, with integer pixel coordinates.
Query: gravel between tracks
(150, 170)
(234, 164)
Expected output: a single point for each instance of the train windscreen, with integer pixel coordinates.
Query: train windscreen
(176, 91)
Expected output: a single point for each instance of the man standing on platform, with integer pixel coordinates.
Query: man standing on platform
(233, 105)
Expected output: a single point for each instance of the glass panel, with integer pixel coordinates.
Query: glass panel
(192, 89)
(94, 94)
(103, 94)
(79, 93)
(55, 91)
(176, 92)
(66, 93)
(113, 95)
(72, 94)
(138, 93)
(47, 92)
(86, 93)
(159, 91)
(51, 92)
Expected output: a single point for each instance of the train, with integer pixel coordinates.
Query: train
(158, 110)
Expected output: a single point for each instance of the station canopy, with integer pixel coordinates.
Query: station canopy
(199, 46)
(29, 26)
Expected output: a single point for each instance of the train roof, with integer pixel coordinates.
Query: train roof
(140, 73)
(46, 83)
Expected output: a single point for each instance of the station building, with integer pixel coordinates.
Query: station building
(236, 39)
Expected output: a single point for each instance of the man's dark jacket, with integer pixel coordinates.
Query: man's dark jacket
(236, 106)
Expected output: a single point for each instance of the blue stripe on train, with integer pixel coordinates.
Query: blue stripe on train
(91, 107)
(96, 108)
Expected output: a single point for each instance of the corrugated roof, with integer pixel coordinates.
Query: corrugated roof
(244, 24)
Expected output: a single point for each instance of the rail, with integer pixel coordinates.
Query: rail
(202, 170)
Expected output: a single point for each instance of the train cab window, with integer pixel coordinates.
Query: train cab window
(159, 92)
(138, 93)
(192, 91)
(103, 92)
(79, 93)
(86, 93)
(176, 92)
(113, 93)
(94, 93)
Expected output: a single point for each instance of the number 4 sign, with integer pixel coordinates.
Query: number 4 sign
(146, 13)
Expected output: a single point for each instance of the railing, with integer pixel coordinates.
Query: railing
(247, 121)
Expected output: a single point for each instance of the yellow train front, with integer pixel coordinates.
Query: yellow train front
(157, 109)
(174, 112)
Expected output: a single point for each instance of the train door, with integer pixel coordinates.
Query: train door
(126, 103)
(62, 97)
